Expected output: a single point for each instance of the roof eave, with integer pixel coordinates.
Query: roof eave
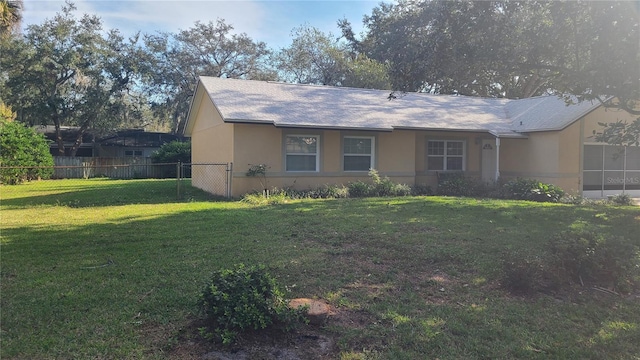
(186, 131)
(303, 126)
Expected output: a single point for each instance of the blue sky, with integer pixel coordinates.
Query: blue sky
(263, 20)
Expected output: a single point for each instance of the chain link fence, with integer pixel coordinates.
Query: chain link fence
(212, 178)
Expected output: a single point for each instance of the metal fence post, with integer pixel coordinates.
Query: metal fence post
(229, 179)
(178, 168)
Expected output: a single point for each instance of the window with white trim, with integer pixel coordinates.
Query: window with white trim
(302, 152)
(358, 153)
(446, 155)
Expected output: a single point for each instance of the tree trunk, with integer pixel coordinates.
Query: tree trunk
(59, 139)
(79, 136)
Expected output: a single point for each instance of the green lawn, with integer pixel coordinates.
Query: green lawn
(112, 269)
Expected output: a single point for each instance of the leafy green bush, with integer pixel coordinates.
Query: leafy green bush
(359, 189)
(421, 190)
(592, 258)
(456, 184)
(533, 190)
(173, 152)
(330, 192)
(244, 298)
(21, 148)
(170, 153)
(622, 199)
(573, 199)
(386, 187)
(323, 192)
(379, 187)
(401, 190)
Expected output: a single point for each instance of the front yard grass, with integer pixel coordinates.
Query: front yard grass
(113, 269)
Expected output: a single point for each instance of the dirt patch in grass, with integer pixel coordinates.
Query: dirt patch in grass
(312, 342)
(307, 342)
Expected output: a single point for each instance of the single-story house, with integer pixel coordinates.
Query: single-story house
(310, 135)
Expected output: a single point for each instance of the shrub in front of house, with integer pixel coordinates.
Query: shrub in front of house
(622, 199)
(532, 190)
(456, 184)
(241, 299)
(327, 191)
(385, 187)
(359, 188)
(379, 186)
(421, 190)
(330, 192)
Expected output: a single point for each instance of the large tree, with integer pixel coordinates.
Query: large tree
(67, 72)
(206, 49)
(513, 49)
(315, 57)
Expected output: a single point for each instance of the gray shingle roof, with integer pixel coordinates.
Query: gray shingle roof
(293, 105)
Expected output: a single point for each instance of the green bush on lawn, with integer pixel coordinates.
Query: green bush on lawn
(244, 298)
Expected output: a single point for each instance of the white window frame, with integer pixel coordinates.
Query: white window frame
(445, 155)
(317, 154)
(372, 155)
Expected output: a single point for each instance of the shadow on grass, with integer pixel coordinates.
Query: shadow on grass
(100, 192)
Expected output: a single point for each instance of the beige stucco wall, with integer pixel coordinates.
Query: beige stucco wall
(263, 144)
(400, 155)
(550, 156)
(605, 116)
(211, 143)
(555, 156)
(212, 139)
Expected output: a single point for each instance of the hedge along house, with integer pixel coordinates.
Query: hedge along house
(311, 135)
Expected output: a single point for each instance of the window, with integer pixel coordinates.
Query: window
(358, 153)
(302, 152)
(445, 155)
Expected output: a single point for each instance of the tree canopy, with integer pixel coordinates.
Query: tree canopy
(512, 49)
(581, 50)
(65, 72)
(70, 71)
(206, 49)
(315, 57)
